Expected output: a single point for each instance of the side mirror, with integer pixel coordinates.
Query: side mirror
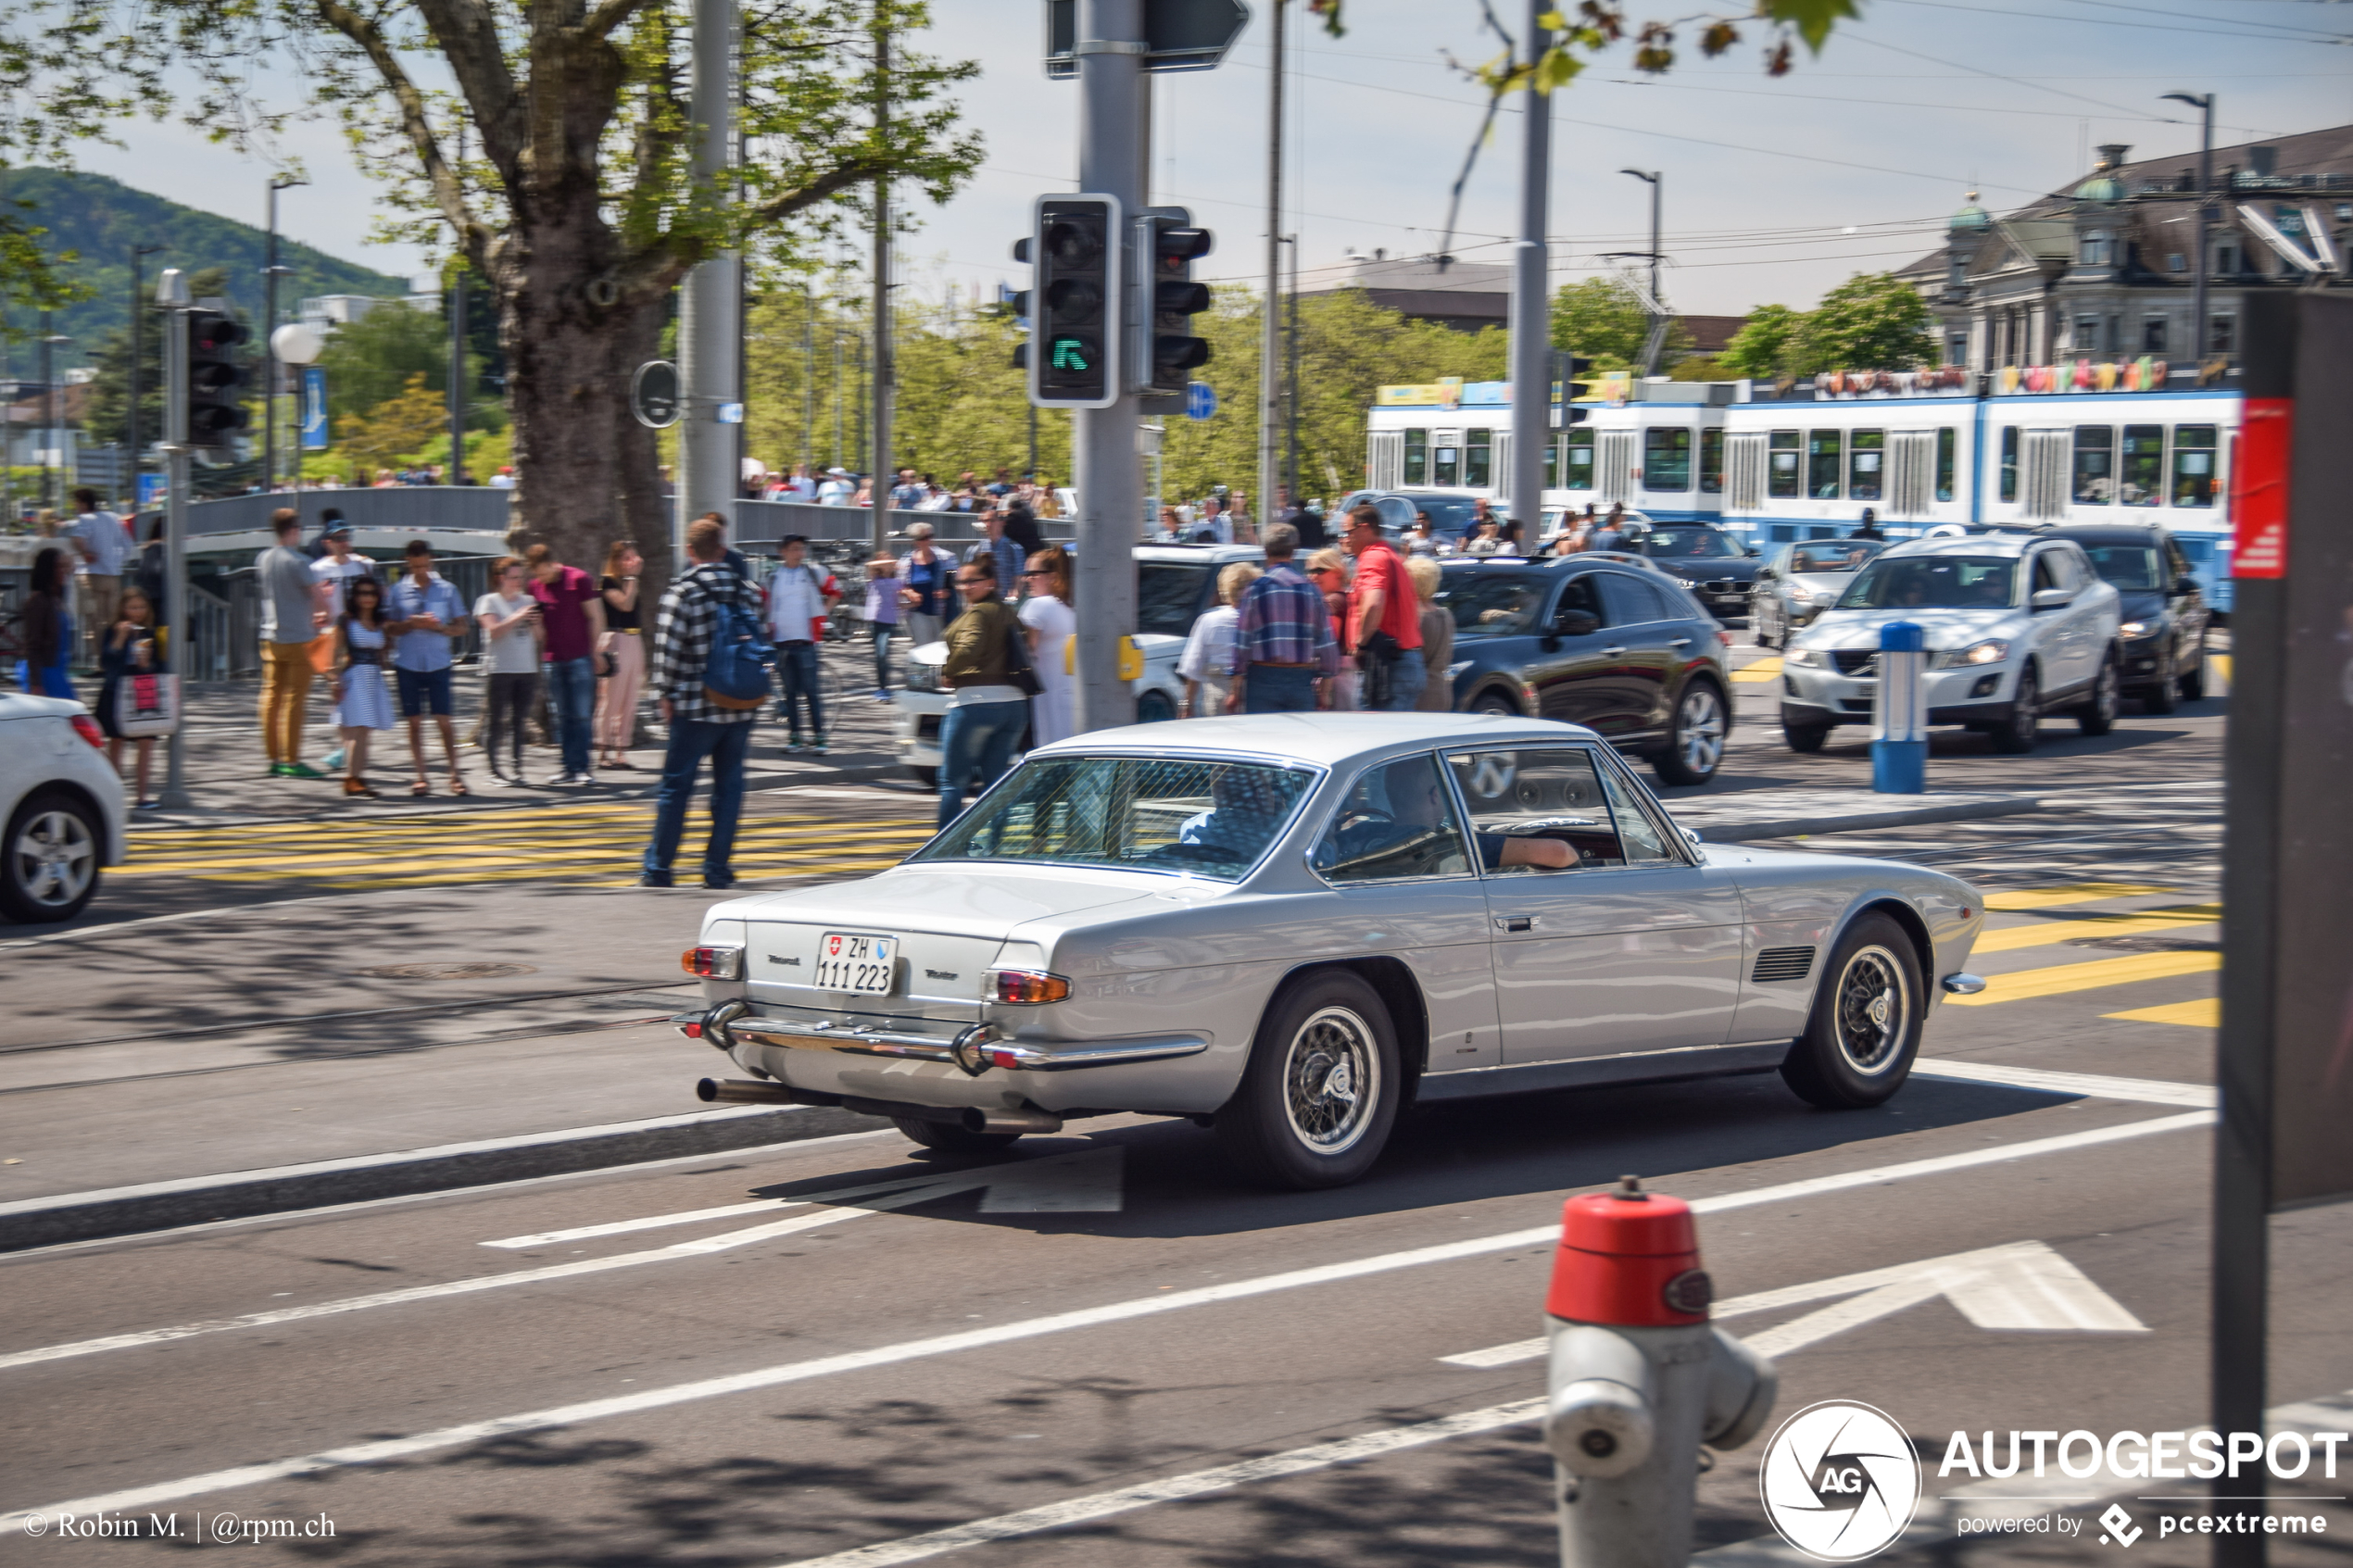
(1765, 574)
(2052, 598)
(1754, 551)
(1576, 623)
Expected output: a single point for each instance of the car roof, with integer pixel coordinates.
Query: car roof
(2111, 533)
(1326, 740)
(1199, 555)
(1964, 545)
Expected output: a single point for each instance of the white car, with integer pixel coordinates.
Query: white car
(62, 804)
(2017, 625)
(1174, 584)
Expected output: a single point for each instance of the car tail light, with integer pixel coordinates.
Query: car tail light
(1723, 636)
(1026, 987)
(87, 728)
(713, 963)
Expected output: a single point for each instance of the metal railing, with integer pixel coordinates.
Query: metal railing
(224, 634)
(413, 507)
(764, 523)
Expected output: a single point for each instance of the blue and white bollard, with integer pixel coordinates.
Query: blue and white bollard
(1899, 724)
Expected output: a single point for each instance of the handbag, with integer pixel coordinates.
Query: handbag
(1020, 673)
(146, 705)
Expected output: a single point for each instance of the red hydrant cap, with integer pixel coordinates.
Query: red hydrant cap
(1628, 1258)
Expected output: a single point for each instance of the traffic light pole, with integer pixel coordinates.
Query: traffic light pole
(711, 302)
(172, 293)
(1114, 104)
(1531, 334)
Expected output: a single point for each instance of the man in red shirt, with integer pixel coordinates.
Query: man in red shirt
(572, 620)
(1384, 619)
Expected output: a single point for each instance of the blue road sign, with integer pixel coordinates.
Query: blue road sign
(1201, 400)
(314, 409)
(151, 487)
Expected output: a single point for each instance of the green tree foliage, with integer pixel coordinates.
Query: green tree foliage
(1760, 349)
(34, 274)
(1602, 318)
(396, 431)
(1873, 322)
(371, 360)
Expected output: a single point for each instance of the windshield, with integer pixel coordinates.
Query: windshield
(1933, 583)
(2127, 565)
(1832, 556)
(1448, 514)
(1689, 544)
(1129, 813)
(1492, 604)
(1169, 596)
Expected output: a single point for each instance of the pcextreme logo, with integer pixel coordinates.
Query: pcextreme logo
(1839, 1481)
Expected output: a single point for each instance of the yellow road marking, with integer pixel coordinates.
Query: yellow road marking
(1765, 668)
(2081, 893)
(2027, 982)
(2204, 1013)
(2044, 933)
(2222, 663)
(404, 854)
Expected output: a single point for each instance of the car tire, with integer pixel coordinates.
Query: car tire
(2097, 717)
(49, 862)
(927, 777)
(1806, 738)
(1153, 707)
(1865, 1028)
(950, 1139)
(1696, 735)
(2161, 698)
(1319, 1094)
(2017, 733)
(1494, 702)
(2193, 680)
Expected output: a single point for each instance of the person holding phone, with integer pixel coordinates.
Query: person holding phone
(509, 618)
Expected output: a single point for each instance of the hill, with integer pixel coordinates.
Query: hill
(102, 218)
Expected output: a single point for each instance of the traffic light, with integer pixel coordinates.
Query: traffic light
(1567, 367)
(214, 410)
(1073, 303)
(1172, 244)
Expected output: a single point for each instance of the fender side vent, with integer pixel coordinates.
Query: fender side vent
(1783, 963)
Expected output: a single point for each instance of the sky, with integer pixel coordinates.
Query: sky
(1775, 190)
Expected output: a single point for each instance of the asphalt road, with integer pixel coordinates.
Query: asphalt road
(837, 1349)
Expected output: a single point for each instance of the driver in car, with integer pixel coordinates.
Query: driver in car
(1417, 813)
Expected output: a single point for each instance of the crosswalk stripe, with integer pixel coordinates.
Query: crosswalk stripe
(2058, 898)
(2028, 982)
(2048, 933)
(2205, 1012)
(1764, 670)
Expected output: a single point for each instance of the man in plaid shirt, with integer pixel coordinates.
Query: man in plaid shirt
(700, 727)
(1283, 638)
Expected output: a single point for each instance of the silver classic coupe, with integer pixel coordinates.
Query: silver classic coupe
(1290, 927)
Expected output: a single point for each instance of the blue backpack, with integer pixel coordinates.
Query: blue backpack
(736, 676)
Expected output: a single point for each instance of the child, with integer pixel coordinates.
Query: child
(130, 650)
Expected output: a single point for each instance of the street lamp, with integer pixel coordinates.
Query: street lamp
(270, 325)
(1656, 181)
(2204, 104)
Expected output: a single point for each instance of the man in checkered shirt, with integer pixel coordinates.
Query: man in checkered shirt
(699, 726)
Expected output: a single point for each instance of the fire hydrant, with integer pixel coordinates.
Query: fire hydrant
(1640, 1379)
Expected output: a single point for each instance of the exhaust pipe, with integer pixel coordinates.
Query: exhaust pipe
(742, 1091)
(975, 1119)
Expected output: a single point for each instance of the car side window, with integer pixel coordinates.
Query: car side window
(1396, 822)
(1645, 842)
(1631, 601)
(2046, 571)
(1579, 594)
(1550, 792)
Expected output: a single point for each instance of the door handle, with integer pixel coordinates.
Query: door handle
(1516, 922)
(1612, 653)
(1680, 643)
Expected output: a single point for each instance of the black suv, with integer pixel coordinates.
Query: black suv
(1709, 561)
(1624, 651)
(2164, 614)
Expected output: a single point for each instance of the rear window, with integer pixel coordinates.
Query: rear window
(1933, 583)
(1832, 555)
(1169, 596)
(1492, 604)
(1448, 514)
(1692, 543)
(2127, 565)
(1127, 813)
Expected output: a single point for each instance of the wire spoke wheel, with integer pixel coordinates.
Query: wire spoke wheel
(1332, 1079)
(1873, 1009)
(56, 858)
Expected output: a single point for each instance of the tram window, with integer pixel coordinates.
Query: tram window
(1418, 456)
(1711, 462)
(2193, 465)
(2009, 462)
(1446, 463)
(1821, 465)
(1781, 477)
(1580, 461)
(2095, 465)
(1947, 444)
(1552, 463)
(2141, 476)
(1666, 458)
(1476, 468)
(1865, 456)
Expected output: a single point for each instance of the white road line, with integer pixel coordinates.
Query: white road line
(656, 1221)
(1079, 1511)
(2149, 1091)
(1091, 1317)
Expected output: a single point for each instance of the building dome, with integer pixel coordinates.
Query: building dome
(1971, 220)
(2100, 188)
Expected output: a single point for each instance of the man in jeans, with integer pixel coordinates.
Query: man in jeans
(699, 727)
(1003, 556)
(1283, 634)
(800, 596)
(988, 712)
(1384, 619)
(424, 612)
(572, 617)
(291, 611)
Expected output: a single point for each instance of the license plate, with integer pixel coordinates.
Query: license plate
(847, 962)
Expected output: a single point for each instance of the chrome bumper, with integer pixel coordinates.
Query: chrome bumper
(1962, 985)
(975, 1048)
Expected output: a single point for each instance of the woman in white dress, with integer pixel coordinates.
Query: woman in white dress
(362, 706)
(1207, 664)
(1048, 621)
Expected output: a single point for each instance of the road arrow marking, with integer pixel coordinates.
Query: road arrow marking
(1061, 1183)
(2021, 1285)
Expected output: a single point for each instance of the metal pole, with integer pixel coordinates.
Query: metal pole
(48, 414)
(139, 255)
(1290, 393)
(1112, 102)
(270, 350)
(885, 473)
(172, 293)
(808, 377)
(709, 324)
(2199, 324)
(1531, 334)
(1270, 362)
(460, 395)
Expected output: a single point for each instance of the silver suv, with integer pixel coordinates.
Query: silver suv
(2017, 625)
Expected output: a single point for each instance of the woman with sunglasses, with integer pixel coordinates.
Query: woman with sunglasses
(1327, 568)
